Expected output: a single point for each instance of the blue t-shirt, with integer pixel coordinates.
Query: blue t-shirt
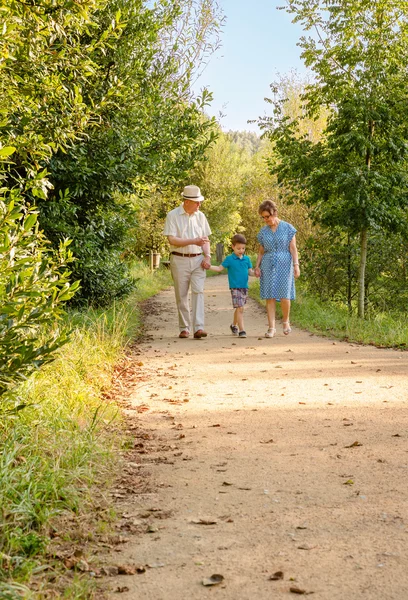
(237, 270)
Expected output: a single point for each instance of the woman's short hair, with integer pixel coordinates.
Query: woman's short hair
(268, 206)
(238, 239)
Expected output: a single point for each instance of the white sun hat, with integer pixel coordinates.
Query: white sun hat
(192, 192)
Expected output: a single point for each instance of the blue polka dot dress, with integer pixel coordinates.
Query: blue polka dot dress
(277, 279)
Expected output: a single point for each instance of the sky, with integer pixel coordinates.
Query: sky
(258, 42)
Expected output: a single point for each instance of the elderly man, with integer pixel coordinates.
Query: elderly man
(187, 230)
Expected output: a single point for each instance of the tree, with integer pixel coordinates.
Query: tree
(356, 175)
(221, 178)
(146, 139)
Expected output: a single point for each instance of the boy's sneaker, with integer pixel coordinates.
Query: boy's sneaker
(234, 329)
(242, 334)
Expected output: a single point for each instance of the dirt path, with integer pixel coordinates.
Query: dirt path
(255, 435)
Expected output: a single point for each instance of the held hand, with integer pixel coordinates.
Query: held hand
(296, 271)
(200, 241)
(257, 272)
(206, 264)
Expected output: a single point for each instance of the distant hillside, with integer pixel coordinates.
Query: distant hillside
(246, 139)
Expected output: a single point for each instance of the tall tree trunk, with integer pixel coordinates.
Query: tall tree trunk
(349, 277)
(364, 237)
(361, 273)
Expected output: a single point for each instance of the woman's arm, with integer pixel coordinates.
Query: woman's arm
(257, 270)
(295, 256)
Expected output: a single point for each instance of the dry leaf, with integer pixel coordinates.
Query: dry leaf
(276, 576)
(206, 521)
(213, 580)
(296, 590)
(354, 445)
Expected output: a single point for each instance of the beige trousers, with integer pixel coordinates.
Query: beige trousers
(188, 274)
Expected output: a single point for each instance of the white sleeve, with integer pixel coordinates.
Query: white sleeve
(205, 226)
(170, 226)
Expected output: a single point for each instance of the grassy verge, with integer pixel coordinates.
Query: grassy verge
(55, 451)
(329, 319)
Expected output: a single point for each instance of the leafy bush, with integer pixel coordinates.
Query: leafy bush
(34, 285)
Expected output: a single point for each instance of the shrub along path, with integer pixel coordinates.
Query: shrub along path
(264, 455)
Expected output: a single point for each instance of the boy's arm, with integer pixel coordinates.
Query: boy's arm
(215, 268)
(251, 272)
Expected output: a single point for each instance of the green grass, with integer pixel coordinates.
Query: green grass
(54, 452)
(333, 320)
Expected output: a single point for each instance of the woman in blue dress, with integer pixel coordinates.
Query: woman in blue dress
(277, 265)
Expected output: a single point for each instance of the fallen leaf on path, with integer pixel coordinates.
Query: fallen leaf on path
(396, 435)
(121, 589)
(215, 425)
(276, 576)
(206, 521)
(130, 569)
(266, 441)
(349, 482)
(213, 580)
(244, 488)
(227, 483)
(354, 445)
(302, 402)
(306, 547)
(296, 590)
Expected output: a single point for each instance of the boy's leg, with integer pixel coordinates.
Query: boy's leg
(240, 318)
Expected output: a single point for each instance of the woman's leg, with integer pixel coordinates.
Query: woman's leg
(270, 312)
(285, 306)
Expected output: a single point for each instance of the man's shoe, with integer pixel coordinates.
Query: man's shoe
(242, 334)
(184, 334)
(200, 334)
(234, 329)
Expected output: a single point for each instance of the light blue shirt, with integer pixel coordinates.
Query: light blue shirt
(237, 270)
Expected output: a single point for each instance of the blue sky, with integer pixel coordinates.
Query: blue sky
(258, 41)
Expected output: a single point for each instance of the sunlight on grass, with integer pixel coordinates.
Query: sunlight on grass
(333, 320)
(54, 451)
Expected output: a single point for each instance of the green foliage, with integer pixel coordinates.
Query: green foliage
(221, 179)
(34, 285)
(95, 105)
(153, 133)
(355, 176)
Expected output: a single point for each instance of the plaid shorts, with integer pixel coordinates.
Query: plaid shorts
(239, 297)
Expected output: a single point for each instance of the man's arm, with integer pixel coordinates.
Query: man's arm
(203, 242)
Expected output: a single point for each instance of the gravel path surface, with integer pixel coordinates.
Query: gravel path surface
(266, 455)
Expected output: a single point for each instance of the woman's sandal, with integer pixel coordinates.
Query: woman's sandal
(287, 329)
(270, 333)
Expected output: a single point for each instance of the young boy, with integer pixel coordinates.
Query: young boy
(239, 267)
